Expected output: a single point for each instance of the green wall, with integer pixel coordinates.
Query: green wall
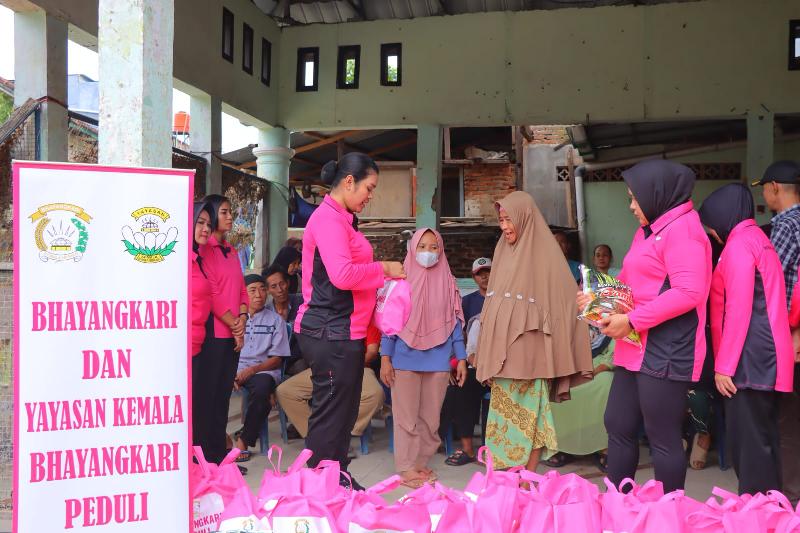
(711, 58)
(609, 220)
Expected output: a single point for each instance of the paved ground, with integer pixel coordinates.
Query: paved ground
(379, 464)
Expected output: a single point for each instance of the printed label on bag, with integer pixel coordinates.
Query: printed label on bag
(383, 295)
(355, 528)
(301, 524)
(206, 512)
(243, 524)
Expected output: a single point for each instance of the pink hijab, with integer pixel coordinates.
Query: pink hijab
(435, 300)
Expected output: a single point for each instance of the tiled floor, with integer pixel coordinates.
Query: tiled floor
(379, 464)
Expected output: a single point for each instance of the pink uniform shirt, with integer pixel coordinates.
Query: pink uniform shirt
(668, 268)
(228, 292)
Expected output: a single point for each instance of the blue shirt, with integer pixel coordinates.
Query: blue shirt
(265, 336)
(785, 238)
(472, 304)
(435, 359)
(575, 268)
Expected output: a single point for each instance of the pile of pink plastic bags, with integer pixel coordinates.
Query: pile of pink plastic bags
(306, 500)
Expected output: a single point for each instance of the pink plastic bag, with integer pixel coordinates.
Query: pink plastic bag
(560, 503)
(322, 482)
(393, 306)
(354, 500)
(411, 517)
(662, 516)
(495, 495)
(302, 514)
(620, 510)
(218, 492)
(274, 484)
(769, 512)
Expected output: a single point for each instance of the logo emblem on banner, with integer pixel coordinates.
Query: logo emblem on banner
(149, 243)
(61, 233)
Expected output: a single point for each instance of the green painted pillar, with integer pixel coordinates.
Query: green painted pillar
(135, 45)
(206, 129)
(273, 156)
(429, 175)
(40, 70)
(760, 154)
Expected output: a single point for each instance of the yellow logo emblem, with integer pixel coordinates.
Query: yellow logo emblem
(61, 233)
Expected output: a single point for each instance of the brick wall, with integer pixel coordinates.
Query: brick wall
(548, 134)
(485, 184)
(463, 246)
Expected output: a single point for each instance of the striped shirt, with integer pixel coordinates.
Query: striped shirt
(785, 238)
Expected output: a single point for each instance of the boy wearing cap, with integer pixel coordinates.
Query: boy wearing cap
(781, 190)
(266, 342)
(473, 303)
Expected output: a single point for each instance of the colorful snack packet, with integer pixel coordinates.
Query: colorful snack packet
(609, 296)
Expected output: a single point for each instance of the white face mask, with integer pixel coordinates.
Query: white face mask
(427, 259)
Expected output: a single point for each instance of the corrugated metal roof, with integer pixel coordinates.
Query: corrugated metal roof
(290, 12)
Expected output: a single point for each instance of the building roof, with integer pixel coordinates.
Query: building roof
(313, 149)
(336, 11)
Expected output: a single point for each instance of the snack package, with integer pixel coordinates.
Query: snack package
(609, 296)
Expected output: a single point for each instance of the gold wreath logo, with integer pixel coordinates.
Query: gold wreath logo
(61, 232)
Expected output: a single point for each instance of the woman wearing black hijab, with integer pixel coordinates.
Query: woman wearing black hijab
(289, 259)
(668, 268)
(753, 351)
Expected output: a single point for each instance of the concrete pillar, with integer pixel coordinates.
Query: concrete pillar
(429, 175)
(273, 156)
(135, 44)
(206, 136)
(40, 70)
(760, 154)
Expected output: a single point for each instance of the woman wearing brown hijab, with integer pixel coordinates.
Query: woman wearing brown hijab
(531, 347)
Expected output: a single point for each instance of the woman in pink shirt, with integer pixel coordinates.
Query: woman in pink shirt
(753, 352)
(340, 279)
(226, 330)
(201, 316)
(668, 268)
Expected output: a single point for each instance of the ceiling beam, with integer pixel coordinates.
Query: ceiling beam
(383, 149)
(323, 142)
(350, 146)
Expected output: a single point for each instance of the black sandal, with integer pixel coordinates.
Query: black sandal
(559, 459)
(459, 458)
(601, 461)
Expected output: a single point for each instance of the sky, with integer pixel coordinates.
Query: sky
(81, 60)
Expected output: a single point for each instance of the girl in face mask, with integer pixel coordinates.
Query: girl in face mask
(416, 362)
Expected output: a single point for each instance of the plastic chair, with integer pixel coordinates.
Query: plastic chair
(365, 438)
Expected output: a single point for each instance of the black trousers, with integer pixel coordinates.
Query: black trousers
(661, 403)
(337, 371)
(751, 432)
(259, 388)
(789, 428)
(213, 372)
(462, 407)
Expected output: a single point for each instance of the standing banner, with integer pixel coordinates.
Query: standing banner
(102, 347)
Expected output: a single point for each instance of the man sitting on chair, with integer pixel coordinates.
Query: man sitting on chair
(266, 343)
(295, 393)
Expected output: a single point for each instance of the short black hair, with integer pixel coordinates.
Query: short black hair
(253, 278)
(274, 269)
(607, 247)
